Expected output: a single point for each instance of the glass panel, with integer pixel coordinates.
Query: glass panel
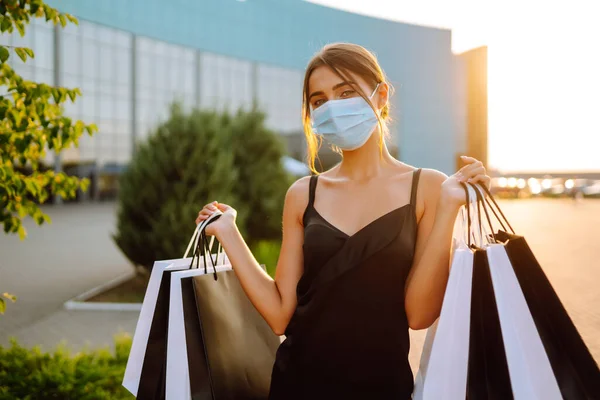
(106, 107)
(44, 48)
(107, 58)
(70, 55)
(90, 59)
(123, 66)
(88, 106)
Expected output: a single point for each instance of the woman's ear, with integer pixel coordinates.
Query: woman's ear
(382, 95)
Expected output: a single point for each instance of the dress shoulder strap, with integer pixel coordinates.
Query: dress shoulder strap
(415, 184)
(311, 190)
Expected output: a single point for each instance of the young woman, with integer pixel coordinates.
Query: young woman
(366, 244)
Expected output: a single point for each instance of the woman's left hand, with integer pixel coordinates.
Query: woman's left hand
(473, 172)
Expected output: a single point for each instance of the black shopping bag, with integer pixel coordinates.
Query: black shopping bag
(231, 349)
(575, 369)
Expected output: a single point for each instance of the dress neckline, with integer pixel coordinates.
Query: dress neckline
(373, 222)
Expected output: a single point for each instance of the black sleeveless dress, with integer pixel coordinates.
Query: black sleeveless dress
(348, 337)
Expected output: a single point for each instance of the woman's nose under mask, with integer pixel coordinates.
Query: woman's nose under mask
(345, 123)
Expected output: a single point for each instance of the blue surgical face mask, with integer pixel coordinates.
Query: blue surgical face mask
(345, 123)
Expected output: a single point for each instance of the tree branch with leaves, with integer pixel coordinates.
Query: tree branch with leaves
(31, 124)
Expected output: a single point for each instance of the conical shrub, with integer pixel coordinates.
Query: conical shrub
(183, 165)
(263, 181)
(193, 159)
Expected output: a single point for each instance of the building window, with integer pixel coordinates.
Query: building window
(97, 59)
(280, 96)
(225, 83)
(165, 73)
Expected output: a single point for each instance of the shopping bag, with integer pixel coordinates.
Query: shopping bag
(466, 359)
(488, 375)
(531, 375)
(239, 345)
(230, 347)
(145, 371)
(528, 366)
(445, 364)
(522, 344)
(573, 366)
(219, 346)
(182, 302)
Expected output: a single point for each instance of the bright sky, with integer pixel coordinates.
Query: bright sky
(543, 73)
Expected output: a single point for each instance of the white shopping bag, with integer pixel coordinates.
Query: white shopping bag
(135, 362)
(444, 361)
(445, 373)
(178, 378)
(530, 371)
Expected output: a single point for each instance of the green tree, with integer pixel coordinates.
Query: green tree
(31, 123)
(183, 165)
(263, 180)
(193, 159)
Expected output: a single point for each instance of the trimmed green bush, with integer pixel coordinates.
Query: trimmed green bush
(263, 181)
(30, 374)
(181, 167)
(190, 160)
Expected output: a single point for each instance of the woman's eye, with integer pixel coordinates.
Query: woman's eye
(318, 103)
(347, 93)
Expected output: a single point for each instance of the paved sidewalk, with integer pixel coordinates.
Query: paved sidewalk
(57, 262)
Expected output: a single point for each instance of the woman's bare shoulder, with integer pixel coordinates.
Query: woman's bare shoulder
(296, 198)
(432, 176)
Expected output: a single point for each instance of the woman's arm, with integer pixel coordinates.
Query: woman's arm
(275, 299)
(442, 198)
(427, 279)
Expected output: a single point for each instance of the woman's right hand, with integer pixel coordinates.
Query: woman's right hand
(227, 220)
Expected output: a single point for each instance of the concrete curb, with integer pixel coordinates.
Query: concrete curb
(79, 302)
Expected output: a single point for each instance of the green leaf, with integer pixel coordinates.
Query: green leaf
(6, 24)
(56, 95)
(2, 306)
(90, 129)
(72, 19)
(63, 20)
(22, 232)
(21, 53)
(29, 52)
(20, 27)
(4, 54)
(50, 13)
(17, 116)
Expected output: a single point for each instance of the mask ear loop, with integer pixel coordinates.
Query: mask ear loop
(374, 91)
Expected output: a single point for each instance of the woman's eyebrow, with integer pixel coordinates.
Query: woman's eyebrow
(336, 86)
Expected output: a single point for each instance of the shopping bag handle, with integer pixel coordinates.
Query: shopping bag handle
(489, 195)
(481, 203)
(196, 235)
(468, 210)
(472, 239)
(204, 246)
(478, 240)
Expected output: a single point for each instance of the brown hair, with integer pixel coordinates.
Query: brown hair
(343, 58)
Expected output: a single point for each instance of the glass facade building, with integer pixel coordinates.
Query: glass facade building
(133, 59)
